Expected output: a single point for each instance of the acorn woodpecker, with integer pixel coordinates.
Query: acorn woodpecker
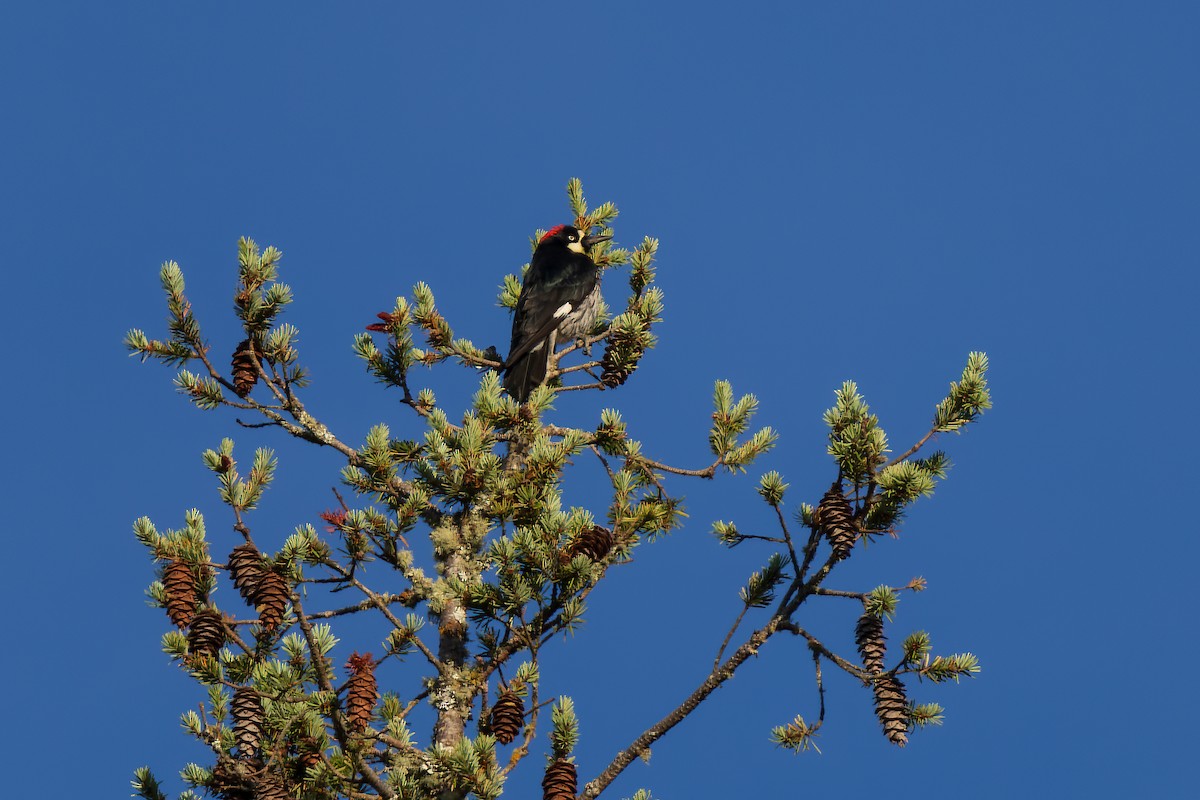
(559, 301)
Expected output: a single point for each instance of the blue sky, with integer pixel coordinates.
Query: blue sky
(864, 191)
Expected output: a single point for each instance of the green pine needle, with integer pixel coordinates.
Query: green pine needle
(953, 667)
(772, 487)
(760, 589)
(565, 734)
(145, 785)
(925, 714)
(968, 398)
(882, 601)
(916, 647)
(797, 736)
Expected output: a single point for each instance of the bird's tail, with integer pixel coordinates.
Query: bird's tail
(526, 373)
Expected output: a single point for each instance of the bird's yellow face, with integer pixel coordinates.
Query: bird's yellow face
(574, 242)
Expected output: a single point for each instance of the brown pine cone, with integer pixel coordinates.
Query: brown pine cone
(560, 781)
(271, 601)
(247, 570)
(614, 375)
(182, 593)
(836, 521)
(361, 690)
(594, 543)
(206, 634)
(308, 756)
(872, 644)
(245, 369)
(247, 721)
(271, 787)
(507, 717)
(891, 706)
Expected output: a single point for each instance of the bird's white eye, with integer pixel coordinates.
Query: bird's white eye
(571, 238)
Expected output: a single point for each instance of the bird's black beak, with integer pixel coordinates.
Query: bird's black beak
(590, 240)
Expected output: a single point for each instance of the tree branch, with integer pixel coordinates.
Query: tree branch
(710, 684)
(787, 537)
(732, 630)
(912, 450)
(378, 602)
(816, 645)
(370, 602)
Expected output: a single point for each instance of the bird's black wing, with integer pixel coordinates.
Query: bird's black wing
(542, 296)
(545, 291)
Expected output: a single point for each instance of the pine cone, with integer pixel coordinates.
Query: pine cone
(271, 787)
(614, 374)
(308, 757)
(595, 543)
(508, 716)
(891, 706)
(560, 781)
(836, 521)
(182, 593)
(247, 721)
(361, 690)
(868, 635)
(247, 570)
(271, 601)
(245, 369)
(206, 634)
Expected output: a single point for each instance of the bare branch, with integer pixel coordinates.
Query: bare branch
(787, 537)
(912, 450)
(733, 629)
(817, 646)
(710, 684)
(370, 602)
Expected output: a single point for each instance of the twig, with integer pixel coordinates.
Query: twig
(362, 605)
(816, 645)
(582, 386)
(231, 634)
(391, 741)
(239, 421)
(774, 539)
(787, 537)
(820, 574)
(912, 450)
(585, 366)
(737, 622)
(588, 342)
(810, 551)
(707, 472)
(604, 461)
(816, 654)
(710, 684)
(289, 403)
(271, 380)
(379, 603)
(838, 593)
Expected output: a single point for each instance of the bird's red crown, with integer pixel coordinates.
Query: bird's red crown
(552, 232)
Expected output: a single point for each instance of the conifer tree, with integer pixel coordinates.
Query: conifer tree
(291, 709)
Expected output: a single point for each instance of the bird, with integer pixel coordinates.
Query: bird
(559, 300)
